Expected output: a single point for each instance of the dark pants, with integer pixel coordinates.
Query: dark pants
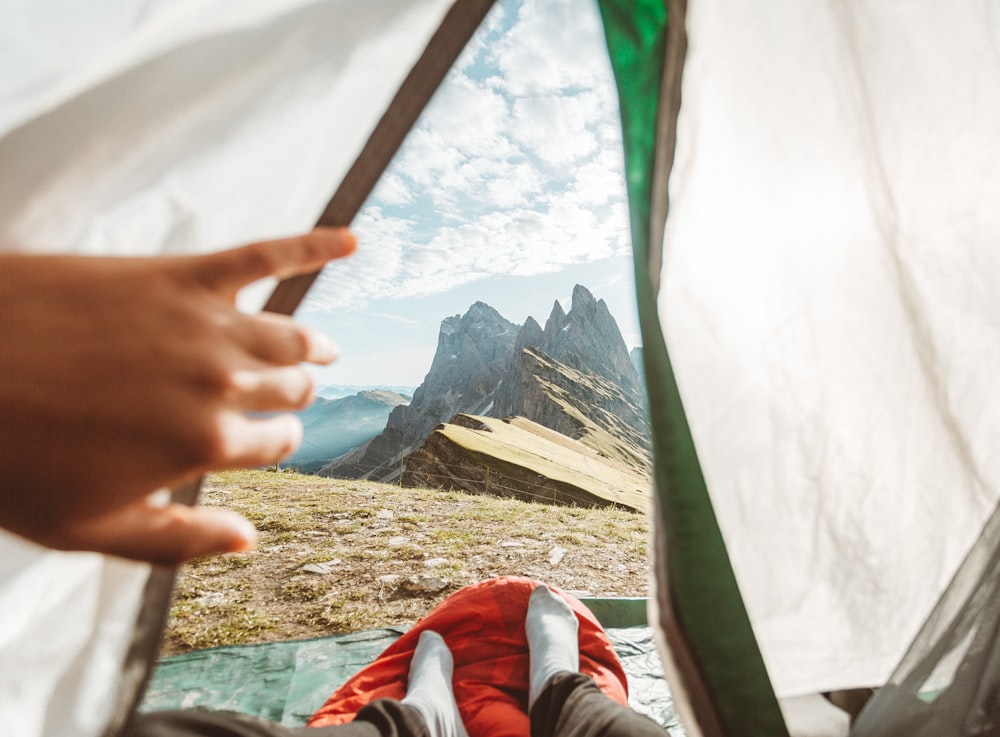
(380, 718)
(570, 706)
(573, 706)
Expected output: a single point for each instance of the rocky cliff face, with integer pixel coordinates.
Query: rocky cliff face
(573, 376)
(640, 369)
(587, 340)
(582, 406)
(473, 351)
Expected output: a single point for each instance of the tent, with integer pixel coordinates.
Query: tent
(811, 188)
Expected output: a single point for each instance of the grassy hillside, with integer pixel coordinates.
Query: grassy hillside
(523, 459)
(337, 556)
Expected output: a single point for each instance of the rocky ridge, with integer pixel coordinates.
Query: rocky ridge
(472, 353)
(574, 376)
(518, 458)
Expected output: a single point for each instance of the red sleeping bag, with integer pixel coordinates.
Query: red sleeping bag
(483, 626)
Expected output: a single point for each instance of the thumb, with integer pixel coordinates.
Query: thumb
(165, 535)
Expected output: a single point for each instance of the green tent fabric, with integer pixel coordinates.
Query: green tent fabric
(699, 604)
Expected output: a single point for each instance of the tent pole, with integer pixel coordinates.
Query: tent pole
(416, 91)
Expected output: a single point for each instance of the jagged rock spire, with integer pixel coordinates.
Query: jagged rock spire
(588, 338)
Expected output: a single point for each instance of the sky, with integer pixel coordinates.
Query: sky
(509, 191)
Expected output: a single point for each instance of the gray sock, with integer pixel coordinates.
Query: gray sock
(553, 643)
(429, 688)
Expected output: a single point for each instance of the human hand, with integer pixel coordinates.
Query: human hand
(119, 377)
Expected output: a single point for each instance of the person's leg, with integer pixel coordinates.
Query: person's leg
(429, 688)
(553, 643)
(572, 704)
(561, 701)
(427, 710)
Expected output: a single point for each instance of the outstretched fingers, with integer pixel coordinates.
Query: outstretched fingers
(280, 340)
(277, 389)
(248, 442)
(162, 534)
(303, 254)
(167, 333)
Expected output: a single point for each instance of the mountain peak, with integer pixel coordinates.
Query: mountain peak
(582, 298)
(449, 325)
(531, 334)
(556, 322)
(482, 311)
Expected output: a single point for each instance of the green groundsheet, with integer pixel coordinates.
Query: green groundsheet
(287, 681)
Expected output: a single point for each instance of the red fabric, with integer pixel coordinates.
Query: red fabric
(483, 626)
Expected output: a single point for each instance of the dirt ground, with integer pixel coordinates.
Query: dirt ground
(337, 556)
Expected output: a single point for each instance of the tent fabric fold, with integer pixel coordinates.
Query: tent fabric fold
(189, 126)
(122, 145)
(67, 620)
(946, 685)
(828, 295)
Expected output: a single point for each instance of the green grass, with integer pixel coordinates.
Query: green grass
(266, 595)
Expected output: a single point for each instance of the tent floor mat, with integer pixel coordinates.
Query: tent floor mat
(287, 681)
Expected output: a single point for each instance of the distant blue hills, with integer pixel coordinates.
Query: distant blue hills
(334, 426)
(336, 391)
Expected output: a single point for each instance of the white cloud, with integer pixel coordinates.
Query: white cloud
(392, 317)
(393, 189)
(514, 169)
(557, 128)
(544, 52)
(427, 155)
(494, 23)
(372, 271)
(468, 115)
(507, 192)
(601, 180)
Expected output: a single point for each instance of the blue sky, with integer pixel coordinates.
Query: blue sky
(509, 191)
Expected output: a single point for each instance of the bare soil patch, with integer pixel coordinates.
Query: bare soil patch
(337, 556)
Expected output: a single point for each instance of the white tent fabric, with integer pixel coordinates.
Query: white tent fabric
(137, 127)
(831, 296)
(172, 126)
(65, 624)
